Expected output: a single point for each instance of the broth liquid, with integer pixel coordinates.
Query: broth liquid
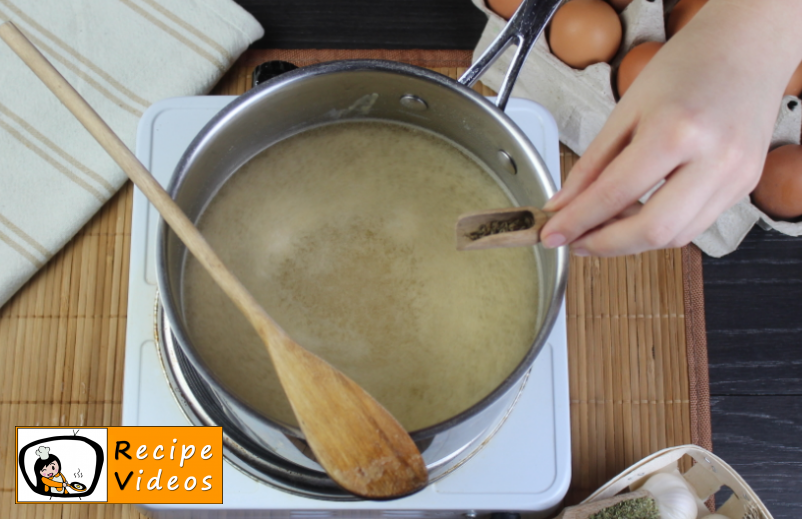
(345, 234)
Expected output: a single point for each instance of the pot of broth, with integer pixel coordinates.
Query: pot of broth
(332, 192)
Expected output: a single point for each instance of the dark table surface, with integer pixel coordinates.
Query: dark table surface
(753, 297)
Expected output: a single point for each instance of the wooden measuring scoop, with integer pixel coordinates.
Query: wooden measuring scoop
(358, 442)
(495, 228)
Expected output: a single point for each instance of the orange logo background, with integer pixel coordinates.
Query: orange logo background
(159, 477)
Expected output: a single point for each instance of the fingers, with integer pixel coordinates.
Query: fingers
(628, 177)
(685, 206)
(632, 210)
(705, 219)
(613, 138)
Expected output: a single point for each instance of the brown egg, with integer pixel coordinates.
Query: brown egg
(620, 5)
(632, 64)
(682, 14)
(584, 32)
(779, 192)
(504, 8)
(794, 87)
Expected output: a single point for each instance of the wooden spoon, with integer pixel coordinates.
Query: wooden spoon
(509, 227)
(361, 446)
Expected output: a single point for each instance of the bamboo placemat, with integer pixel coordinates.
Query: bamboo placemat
(636, 337)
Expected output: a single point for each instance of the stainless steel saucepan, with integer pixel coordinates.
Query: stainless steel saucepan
(346, 91)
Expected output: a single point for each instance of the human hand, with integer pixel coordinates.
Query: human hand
(700, 117)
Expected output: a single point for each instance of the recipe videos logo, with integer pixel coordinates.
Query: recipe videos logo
(139, 465)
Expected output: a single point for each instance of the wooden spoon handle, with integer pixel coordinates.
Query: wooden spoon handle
(359, 443)
(475, 231)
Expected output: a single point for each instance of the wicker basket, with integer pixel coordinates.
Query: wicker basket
(706, 477)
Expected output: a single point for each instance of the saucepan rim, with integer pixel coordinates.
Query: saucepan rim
(170, 300)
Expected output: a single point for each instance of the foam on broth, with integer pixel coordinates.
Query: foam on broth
(345, 234)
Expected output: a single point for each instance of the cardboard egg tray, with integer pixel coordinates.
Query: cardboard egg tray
(581, 101)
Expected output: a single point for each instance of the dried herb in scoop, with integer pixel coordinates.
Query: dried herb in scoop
(520, 223)
(641, 508)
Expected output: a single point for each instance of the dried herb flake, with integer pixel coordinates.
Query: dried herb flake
(526, 221)
(640, 508)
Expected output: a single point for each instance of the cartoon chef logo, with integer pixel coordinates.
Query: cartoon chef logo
(61, 467)
(47, 471)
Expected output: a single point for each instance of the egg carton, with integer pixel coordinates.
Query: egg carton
(582, 100)
(705, 478)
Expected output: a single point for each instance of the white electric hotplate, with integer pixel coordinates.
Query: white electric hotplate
(524, 467)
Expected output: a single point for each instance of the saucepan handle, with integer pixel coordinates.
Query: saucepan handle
(523, 30)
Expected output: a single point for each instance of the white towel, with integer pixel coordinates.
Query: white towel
(122, 56)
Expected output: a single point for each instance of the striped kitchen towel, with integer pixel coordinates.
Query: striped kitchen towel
(122, 56)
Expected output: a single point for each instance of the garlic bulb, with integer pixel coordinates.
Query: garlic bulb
(672, 496)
